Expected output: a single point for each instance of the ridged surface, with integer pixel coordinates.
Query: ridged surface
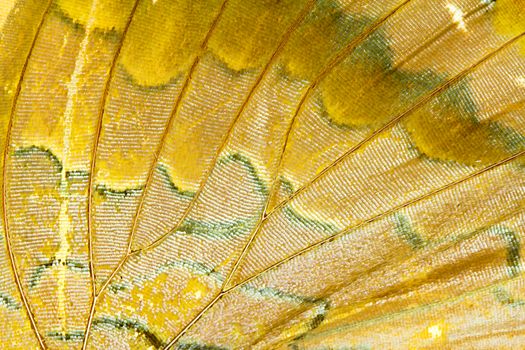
(232, 174)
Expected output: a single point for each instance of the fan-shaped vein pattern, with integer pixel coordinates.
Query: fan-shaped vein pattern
(434, 144)
(330, 153)
(47, 167)
(460, 239)
(23, 18)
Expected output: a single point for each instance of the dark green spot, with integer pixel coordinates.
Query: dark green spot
(404, 229)
(164, 172)
(9, 302)
(137, 326)
(40, 269)
(72, 336)
(504, 297)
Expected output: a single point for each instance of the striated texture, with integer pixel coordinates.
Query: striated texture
(266, 174)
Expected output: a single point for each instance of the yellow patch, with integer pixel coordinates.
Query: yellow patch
(346, 103)
(109, 14)
(247, 41)
(315, 42)
(509, 18)
(164, 38)
(447, 135)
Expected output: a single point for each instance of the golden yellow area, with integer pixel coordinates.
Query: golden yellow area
(248, 41)
(63, 120)
(448, 135)
(162, 307)
(164, 38)
(334, 258)
(5, 8)
(48, 130)
(509, 18)
(346, 103)
(315, 42)
(109, 14)
(116, 179)
(19, 334)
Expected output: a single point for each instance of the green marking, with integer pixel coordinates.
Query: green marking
(226, 230)
(404, 229)
(9, 302)
(459, 96)
(167, 178)
(198, 346)
(118, 287)
(505, 298)
(110, 35)
(72, 336)
(514, 141)
(298, 219)
(137, 326)
(192, 266)
(216, 230)
(513, 248)
(204, 270)
(40, 269)
(148, 88)
(286, 185)
(109, 192)
(25, 151)
(273, 293)
(246, 163)
(320, 316)
(77, 174)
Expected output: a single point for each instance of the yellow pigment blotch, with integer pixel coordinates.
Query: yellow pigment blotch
(108, 14)
(509, 18)
(64, 221)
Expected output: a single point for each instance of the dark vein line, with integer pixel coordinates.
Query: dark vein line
(4, 180)
(348, 229)
(441, 34)
(336, 60)
(174, 112)
(453, 299)
(354, 148)
(193, 321)
(396, 119)
(313, 323)
(121, 263)
(347, 50)
(422, 48)
(398, 261)
(393, 121)
(284, 39)
(98, 133)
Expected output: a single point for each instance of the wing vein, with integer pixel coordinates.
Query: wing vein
(239, 112)
(396, 261)
(396, 119)
(374, 218)
(409, 310)
(173, 113)
(347, 50)
(10, 252)
(98, 133)
(337, 59)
